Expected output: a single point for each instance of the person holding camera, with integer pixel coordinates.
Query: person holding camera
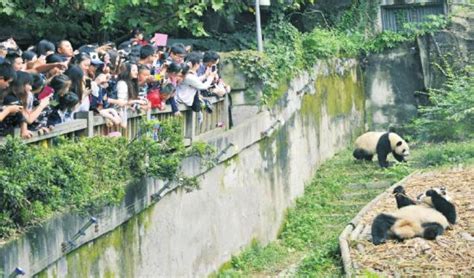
(17, 96)
(218, 87)
(188, 91)
(7, 75)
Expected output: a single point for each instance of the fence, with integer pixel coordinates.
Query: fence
(394, 16)
(87, 124)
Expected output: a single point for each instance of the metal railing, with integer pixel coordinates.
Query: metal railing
(87, 124)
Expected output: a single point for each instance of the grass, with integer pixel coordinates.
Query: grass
(308, 241)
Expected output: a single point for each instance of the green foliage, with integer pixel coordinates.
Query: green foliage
(450, 115)
(205, 151)
(288, 51)
(36, 182)
(188, 183)
(445, 154)
(282, 60)
(360, 18)
(88, 20)
(255, 257)
(323, 43)
(152, 15)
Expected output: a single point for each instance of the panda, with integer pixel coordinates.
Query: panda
(381, 143)
(428, 217)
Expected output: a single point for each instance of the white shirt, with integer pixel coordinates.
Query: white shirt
(122, 90)
(186, 91)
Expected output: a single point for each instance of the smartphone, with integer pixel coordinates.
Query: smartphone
(213, 68)
(88, 83)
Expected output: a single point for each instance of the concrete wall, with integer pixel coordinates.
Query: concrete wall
(269, 158)
(391, 81)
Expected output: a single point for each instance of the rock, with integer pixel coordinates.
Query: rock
(443, 242)
(467, 236)
(421, 245)
(360, 248)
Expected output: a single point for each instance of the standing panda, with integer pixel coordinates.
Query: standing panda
(428, 218)
(380, 143)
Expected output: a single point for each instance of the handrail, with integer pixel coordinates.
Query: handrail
(88, 125)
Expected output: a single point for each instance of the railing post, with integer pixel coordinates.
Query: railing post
(190, 122)
(89, 116)
(225, 111)
(148, 114)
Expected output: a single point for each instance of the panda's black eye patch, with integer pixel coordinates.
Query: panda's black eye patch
(399, 143)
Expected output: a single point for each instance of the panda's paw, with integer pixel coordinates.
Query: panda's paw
(378, 241)
(431, 193)
(399, 190)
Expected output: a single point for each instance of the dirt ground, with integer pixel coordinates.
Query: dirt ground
(451, 254)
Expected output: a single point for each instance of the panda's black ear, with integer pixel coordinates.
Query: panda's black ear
(399, 143)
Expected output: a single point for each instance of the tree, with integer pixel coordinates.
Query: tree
(89, 20)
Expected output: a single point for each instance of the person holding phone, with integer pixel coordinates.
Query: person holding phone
(17, 96)
(188, 92)
(218, 87)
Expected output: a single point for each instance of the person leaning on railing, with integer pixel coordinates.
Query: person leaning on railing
(127, 91)
(188, 91)
(7, 75)
(17, 95)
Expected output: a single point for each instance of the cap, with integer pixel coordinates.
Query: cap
(95, 60)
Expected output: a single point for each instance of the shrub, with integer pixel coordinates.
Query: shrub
(81, 175)
(450, 114)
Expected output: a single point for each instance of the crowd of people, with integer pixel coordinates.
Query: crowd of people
(47, 84)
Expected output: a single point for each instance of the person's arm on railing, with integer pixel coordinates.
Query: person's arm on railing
(122, 94)
(9, 109)
(24, 132)
(31, 116)
(174, 106)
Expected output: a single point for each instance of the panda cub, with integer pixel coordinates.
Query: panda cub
(381, 143)
(428, 217)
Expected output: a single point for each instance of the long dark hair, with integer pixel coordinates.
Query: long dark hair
(61, 85)
(18, 86)
(132, 83)
(76, 74)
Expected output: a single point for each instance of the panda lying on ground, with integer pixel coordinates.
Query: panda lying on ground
(381, 143)
(427, 218)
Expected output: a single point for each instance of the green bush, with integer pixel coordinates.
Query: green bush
(450, 114)
(90, 173)
(445, 154)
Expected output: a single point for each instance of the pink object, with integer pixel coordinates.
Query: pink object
(46, 92)
(114, 134)
(159, 39)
